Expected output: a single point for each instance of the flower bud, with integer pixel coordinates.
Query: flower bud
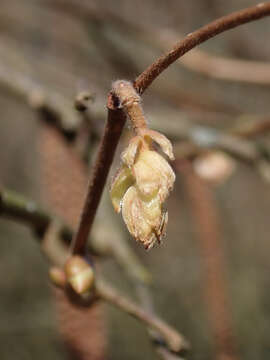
(144, 218)
(121, 182)
(160, 139)
(80, 274)
(142, 185)
(129, 154)
(153, 174)
(57, 276)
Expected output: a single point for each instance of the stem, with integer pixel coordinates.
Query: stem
(112, 132)
(130, 101)
(200, 61)
(17, 207)
(197, 37)
(175, 341)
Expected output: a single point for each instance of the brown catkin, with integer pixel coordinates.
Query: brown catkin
(206, 221)
(64, 182)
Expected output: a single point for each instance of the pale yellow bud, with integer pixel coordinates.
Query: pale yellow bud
(58, 276)
(80, 274)
(144, 218)
(215, 167)
(153, 174)
(121, 182)
(129, 154)
(160, 139)
(142, 185)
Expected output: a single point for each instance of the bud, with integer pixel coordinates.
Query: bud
(121, 182)
(142, 185)
(160, 139)
(144, 218)
(57, 276)
(129, 154)
(153, 175)
(80, 274)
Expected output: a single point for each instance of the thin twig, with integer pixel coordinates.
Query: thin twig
(217, 67)
(230, 69)
(174, 340)
(197, 37)
(113, 129)
(51, 105)
(18, 208)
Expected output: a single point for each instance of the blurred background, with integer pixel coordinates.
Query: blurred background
(211, 274)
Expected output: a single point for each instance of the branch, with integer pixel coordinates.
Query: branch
(217, 67)
(17, 207)
(112, 132)
(51, 106)
(203, 137)
(174, 340)
(197, 37)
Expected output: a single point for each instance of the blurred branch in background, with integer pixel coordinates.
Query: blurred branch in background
(218, 67)
(52, 106)
(253, 72)
(197, 37)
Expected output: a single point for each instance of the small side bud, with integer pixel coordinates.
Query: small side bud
(82, 99)
(58, 277)
(80, 274)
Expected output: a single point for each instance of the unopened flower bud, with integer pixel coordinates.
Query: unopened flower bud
(129, 154)
(57, 276)
(121, 182)
(160, 139)
(144, 218)
(145, 178)
(140, 188)
(80, 274)
(153, 174)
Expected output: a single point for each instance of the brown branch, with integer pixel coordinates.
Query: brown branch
(146, 301)
(229, 69)
(50, 105)
(174, 340)
(197, 37)
(18, 208)
(217, 67)
(113, 129)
